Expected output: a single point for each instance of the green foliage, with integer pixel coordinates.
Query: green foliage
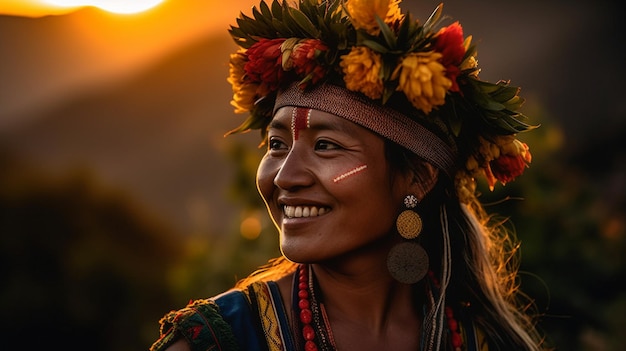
(82, 265)
(499, 103)
(283, 21)
(572, 242)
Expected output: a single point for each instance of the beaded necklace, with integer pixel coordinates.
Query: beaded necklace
(306, 315)
(309, 311)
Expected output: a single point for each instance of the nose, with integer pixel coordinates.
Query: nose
(295, 171)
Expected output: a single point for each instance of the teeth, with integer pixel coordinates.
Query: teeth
(304, 211)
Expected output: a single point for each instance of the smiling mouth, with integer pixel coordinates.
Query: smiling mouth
(304, 211)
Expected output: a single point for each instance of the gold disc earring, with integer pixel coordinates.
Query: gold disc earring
(409, 223)
(407, 261)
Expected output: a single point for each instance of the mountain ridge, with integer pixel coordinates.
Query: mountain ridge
(158, 134)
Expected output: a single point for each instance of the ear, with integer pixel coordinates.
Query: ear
(424, 178)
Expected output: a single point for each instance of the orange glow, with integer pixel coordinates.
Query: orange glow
(250, 227)
(115, 6)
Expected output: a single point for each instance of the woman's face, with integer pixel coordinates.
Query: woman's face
(327, 185)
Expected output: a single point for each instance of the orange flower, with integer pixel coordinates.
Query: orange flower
(422, 79)
(363, 13)
(449, 42)
(244, 92)
(361, 68)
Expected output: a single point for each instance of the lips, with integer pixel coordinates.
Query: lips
(304, 211)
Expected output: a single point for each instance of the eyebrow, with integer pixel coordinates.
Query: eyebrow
(275, 124)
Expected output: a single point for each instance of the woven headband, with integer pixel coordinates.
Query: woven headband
(382, 120)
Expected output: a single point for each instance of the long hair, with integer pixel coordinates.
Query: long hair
(483, 259)
(483, 262)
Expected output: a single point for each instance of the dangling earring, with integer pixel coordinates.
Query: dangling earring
(409, 223)
(407, 261)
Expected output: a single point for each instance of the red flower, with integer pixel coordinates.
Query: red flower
(264, 64)
(508, 167)
(449, 42)
(304, 58)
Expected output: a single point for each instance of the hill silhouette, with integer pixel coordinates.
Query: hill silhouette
(158, 134)
(44, 58)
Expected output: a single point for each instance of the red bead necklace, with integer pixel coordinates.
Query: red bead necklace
(453, 325)
(306, 315)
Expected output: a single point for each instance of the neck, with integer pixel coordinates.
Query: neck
(366, 296)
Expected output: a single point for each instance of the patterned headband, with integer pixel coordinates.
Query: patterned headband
(380, 119)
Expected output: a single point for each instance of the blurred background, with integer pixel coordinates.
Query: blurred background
(120, 199)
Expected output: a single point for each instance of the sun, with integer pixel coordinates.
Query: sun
(115, 6)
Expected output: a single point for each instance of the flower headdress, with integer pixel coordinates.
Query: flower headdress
(370, 47)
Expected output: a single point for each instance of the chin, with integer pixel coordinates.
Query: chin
(298, 254)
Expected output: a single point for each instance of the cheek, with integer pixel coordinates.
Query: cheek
(265, 178)
(349, 173)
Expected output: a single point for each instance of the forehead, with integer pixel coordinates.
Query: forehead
(317, 120)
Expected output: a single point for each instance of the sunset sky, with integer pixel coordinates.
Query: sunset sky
(48, 50)
(36, 8)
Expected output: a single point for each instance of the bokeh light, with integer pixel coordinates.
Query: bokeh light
(250, 227)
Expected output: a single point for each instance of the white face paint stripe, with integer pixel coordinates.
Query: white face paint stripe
(349, 173)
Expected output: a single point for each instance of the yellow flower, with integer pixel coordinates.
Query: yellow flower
(489, 150)
(511, 146)
(361, 68)
(422, 79)
(393, 13)
(363, 13)
(471, 164)
(244, 93)
(465, 187)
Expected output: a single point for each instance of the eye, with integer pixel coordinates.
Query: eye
(326, 145)
(276, 144)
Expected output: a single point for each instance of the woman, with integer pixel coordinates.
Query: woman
(376, 129)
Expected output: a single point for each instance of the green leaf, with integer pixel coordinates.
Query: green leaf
(258, 16)
(504, 93)
(471, 51)
(281, 28)
(407, 34)
(265, 10)
(333, 9)
(388, 91)
(291, 24)
(304, 23)
(489, 104)
(434, 18)
(277, 10)
(247, 25)
(485, 87)
(376, 46)
(252, 122)
(390, 38)
(515, 103)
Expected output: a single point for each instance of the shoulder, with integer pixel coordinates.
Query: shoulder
(234, 320)
(200, 324)
(257, 316)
